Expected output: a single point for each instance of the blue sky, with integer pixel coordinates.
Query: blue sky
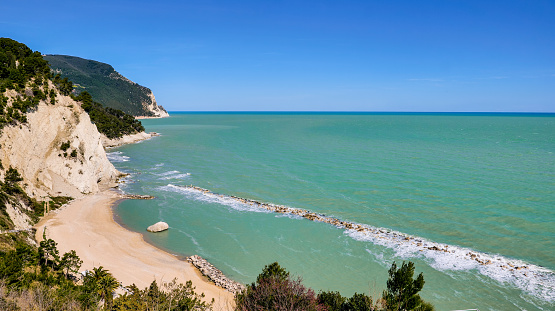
(309, 55)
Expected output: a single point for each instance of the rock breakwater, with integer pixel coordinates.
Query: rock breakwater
(215, 275)
(532, 278)
(136, 196)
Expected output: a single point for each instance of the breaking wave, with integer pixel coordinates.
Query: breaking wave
(536, 280)
(117, 156)
(173, 175)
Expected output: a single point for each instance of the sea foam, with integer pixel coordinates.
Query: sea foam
(173, 175)
(536, 280)
(117, 156)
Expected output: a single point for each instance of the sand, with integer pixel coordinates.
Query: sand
(87, 226)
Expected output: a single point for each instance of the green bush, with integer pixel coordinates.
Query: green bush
(65, 146)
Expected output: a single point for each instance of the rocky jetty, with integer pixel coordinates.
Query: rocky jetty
(378, 235)
(136, 196)
(157, 227)
(215, 275)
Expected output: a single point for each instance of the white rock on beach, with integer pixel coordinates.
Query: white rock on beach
(157, 227)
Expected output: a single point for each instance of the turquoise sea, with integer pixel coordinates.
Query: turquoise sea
(476, 186)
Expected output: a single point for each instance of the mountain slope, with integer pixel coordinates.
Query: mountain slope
(106, 85)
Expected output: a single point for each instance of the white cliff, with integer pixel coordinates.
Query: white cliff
(34, 149)
(158, 111)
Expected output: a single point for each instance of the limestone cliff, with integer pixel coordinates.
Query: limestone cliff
(36, 150)
(157, 111)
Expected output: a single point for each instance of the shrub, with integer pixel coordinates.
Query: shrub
(65, 146)
(333, 300)
(276, 290)
(358, 302)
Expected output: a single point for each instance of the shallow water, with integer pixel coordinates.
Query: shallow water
(478, 183)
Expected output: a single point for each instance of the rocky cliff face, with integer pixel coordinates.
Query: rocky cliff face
(157, 111)
(36, 150)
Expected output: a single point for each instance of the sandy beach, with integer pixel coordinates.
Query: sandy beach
(87, 226)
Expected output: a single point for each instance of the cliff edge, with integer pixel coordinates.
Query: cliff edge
(58, 151)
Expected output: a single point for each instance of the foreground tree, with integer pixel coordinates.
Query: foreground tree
(70, 262)
(276, 290)
(402, 290)
(47, 250)
(335, 302)
(171, 296)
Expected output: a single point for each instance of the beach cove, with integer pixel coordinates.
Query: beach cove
(87, 226)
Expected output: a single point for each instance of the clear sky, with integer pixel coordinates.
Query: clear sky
(309, 55)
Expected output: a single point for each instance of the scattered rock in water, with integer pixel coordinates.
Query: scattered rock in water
(157, 227)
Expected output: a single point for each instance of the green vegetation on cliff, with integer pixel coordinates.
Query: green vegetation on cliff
(111, 122)
(28, 74)
(106, 85)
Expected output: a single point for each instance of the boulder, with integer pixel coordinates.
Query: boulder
(157, 227)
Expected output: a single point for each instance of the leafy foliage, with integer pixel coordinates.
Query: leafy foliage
(28, 73)
(273, 270)
(65, 146)
(65, 86)
(111, 122)
(38, 279)
(402, 290)
(70, 262)
(18, 64)
(32, 280)
(274, 289)
(11, 193)
(171, 296)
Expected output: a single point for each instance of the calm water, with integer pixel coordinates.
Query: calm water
(481, 183)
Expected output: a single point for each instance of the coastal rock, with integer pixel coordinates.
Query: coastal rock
(215, 275)
(127, 139)
(157, 227)
(136, 196)
(34, 149)
(157, 110)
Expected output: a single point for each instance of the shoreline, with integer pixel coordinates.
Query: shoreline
(127, 139)
(87, 225)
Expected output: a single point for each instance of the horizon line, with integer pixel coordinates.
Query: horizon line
(357, 112)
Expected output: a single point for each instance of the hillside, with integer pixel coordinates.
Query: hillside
(106, 85)
(46, 134)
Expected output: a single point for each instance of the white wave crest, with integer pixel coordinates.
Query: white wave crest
(536, 280)
(212, 198)
(117, 157)
(173, 175)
